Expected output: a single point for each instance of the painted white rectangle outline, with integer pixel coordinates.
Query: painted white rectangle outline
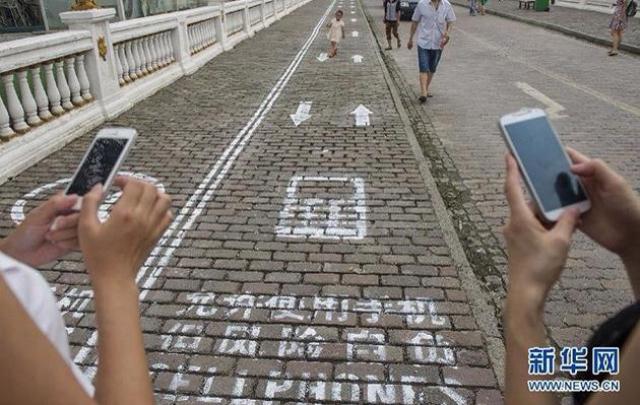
(357, 201)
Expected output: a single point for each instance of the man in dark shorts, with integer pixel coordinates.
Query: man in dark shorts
(433, 19)
(391, 19)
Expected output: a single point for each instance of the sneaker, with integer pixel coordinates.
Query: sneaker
(422, 99)
(388, 48)
(399, 44)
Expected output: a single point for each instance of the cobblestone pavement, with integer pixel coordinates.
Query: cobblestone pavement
(483, 75)
(308, 264)
(592, 23)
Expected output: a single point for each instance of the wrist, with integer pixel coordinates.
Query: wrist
(112, 277)
(520, 312)
(524, 298)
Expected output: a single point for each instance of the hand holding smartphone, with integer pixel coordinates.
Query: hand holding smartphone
(543, 163)
(101, 162)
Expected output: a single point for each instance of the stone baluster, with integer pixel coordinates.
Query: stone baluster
(167, 38)
(5, 123)
(147, 54)
(130, 61)
(27, 100)
(154, 52)
(143, 56)
(13, 104)
(42, 102)
(135, 48)
(52, 90)
(190, 38)
(72, 79)
(85, 85)
(123, 61)
(198, 37)
(63, 86)
(160, 47)
(116, 54)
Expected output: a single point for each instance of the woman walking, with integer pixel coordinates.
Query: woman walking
(618, 24)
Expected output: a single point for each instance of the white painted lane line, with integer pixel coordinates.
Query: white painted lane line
(302, 113)
(553, 108)
(234, 149)
(362, 116)
(354, 33)
(194, 206)
(354, 19)
(357, 58)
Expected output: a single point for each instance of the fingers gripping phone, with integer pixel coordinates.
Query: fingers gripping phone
(544, 164)
(101, 162)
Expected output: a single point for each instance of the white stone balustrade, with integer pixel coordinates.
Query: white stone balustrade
(56, 87)
(37, 86)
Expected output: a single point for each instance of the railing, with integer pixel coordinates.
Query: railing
(97, 70)
(37, 88)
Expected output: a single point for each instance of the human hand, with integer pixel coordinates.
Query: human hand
(614, 218)
(410, 43)
(35, 243)
(115, 250)
(444, 41)
(536, 254)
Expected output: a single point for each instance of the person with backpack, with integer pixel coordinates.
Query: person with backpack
(618, 24)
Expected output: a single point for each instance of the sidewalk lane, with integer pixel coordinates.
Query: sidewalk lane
(490, 69)
(317, 272)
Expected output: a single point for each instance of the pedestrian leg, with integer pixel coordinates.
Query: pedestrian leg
(387, 29)
(395, 34)
(424, 84)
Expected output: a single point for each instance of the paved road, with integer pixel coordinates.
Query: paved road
(306, 263)
(592, 23)
(490, 69)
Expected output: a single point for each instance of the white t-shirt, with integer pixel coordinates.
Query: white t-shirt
(35, 295)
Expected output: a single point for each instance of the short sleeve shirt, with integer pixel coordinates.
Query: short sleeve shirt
(432, 22)
(35, 295)
(391, 9)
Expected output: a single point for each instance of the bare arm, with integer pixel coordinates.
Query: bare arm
(136, 223)
(628, 377)
(33, 372)
(122, 370)
(536, 258)
(414, 27)
(449, 27)
(524, 330)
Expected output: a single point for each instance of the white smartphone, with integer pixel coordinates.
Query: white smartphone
(544, 163)
(101, 162)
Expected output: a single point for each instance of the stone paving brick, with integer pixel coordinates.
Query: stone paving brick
(469, 376)
(359, 372)
(313, 370)
(258, 367)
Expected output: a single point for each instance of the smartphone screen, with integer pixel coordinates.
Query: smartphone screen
(98, 164)
(545, 163)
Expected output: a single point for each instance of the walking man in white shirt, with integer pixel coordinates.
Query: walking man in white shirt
(433, 19)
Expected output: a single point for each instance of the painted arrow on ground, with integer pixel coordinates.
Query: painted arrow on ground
(357, 58)
(553, 109)
(302, 114)
(362, 116)
(322, 57)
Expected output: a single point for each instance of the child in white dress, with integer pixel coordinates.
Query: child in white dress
(336, 33)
